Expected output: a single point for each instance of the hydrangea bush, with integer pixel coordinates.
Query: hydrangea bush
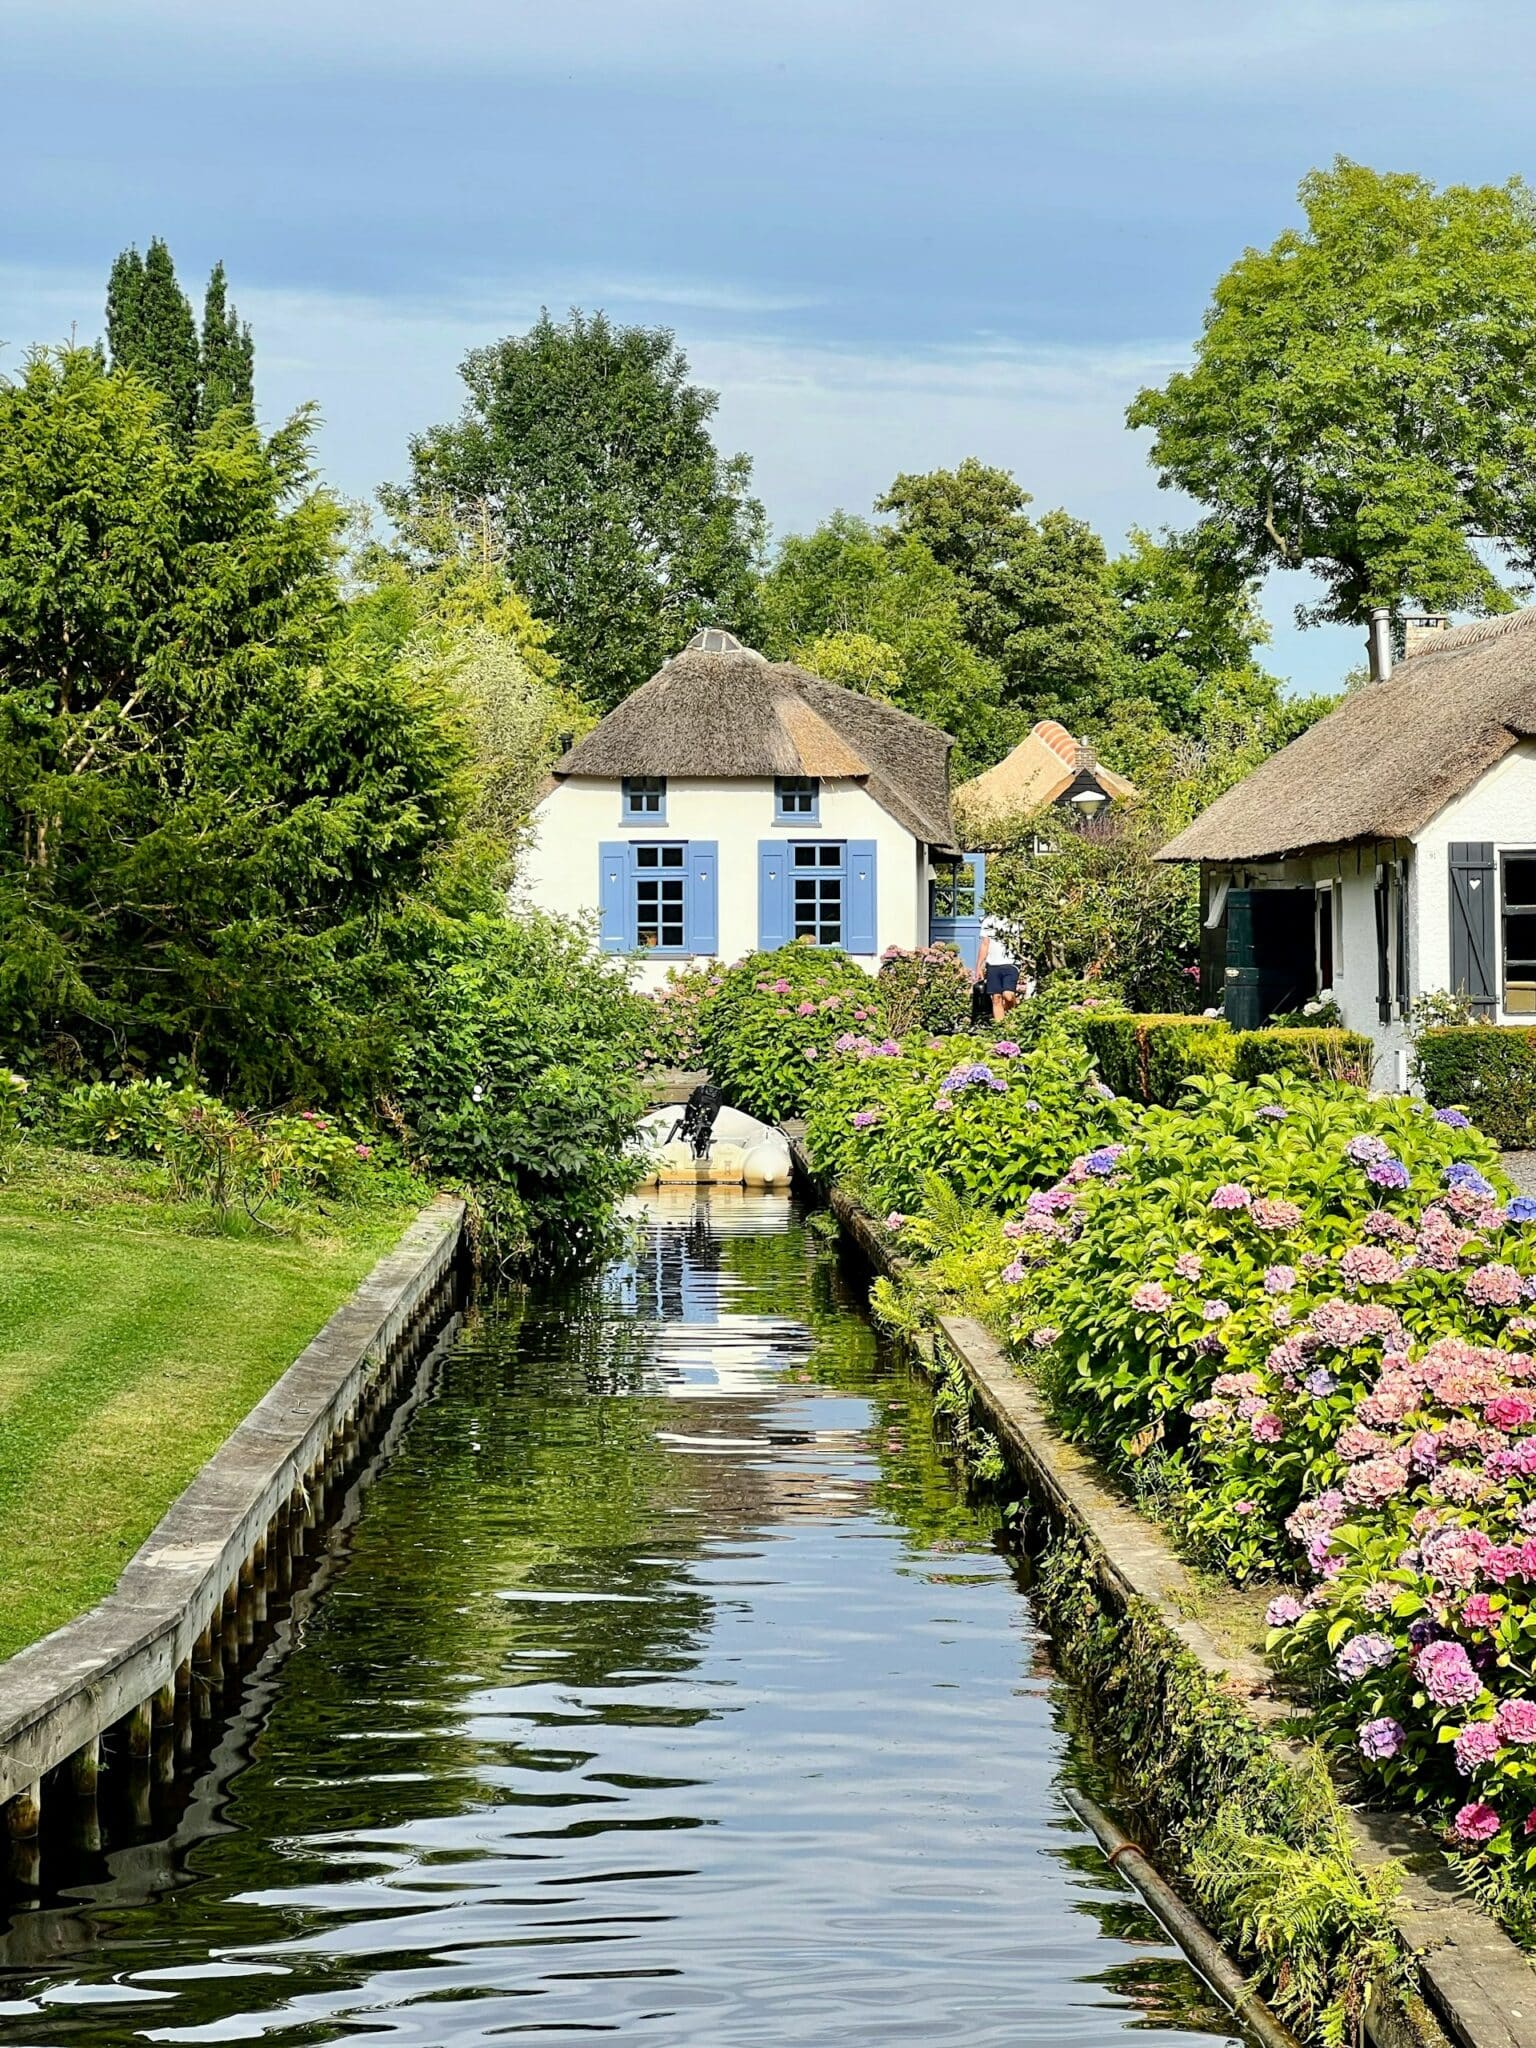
(927, 990)
(992, 1121)
(674, 1018)
(775, 1016)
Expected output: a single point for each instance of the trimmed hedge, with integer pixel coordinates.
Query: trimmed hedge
(1488, 1070)
(1314, 1055)
(1150, 1058)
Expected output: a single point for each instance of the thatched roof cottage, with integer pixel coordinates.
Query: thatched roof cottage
(1390, 851)
(734, 803)
(1047, 767)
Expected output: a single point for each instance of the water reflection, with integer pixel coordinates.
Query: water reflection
(668, 1690)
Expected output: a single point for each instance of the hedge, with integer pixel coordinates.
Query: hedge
(1327, 1054)
(1489, 1070)
(1150, 1058)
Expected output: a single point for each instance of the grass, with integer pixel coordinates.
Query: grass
(135, 1332)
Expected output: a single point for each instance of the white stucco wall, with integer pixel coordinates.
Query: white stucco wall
(559, 871)
(1500, 807)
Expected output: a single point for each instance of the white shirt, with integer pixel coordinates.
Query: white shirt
(999, 952)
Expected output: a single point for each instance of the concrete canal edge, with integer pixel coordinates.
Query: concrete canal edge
(1479, 1987)
(195, 1590)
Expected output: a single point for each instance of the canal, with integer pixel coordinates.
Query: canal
(663, 1687)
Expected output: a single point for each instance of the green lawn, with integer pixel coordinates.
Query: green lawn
(135, 1333)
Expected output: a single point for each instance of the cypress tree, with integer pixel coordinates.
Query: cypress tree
(150, 329)
(228, 357)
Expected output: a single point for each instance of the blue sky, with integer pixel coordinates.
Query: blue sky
(891, 234)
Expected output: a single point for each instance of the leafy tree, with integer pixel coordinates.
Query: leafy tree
(587, 450)
(1187, 631)
(226, 363)
(884, 616)
(1363, 397)
(150, 329)
(206, 802)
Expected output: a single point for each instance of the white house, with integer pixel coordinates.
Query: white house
(1390, 851)
(733, 804)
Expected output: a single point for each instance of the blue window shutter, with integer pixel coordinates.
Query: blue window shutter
(772, 894)
(860, 925)
(615, 896)
(701, 934)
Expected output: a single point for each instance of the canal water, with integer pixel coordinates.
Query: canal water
(664, 1688)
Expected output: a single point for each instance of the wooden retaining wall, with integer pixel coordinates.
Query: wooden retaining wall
(1479, 1987)
(152, 1657)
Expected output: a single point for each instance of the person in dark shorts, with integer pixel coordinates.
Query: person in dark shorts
(997, 972)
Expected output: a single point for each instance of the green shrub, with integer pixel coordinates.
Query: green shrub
(928, 990)
(1489, 1070)
(775, 1015)
(1061, 1003)
(1151, 1059)
(1325, 1054)
(518, 1078)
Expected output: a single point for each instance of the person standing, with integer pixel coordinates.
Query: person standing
(997, 972)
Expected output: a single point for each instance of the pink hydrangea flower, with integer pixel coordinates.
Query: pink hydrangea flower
(1267, 1427)
(1369, 1265)
(1044, 1337)
(1151, 1298)
(1375, 1481)
(1516, 1720)
(1271, 1214)
(1477, 1744)
(1279, 1279)
(1477, 1611)
(1231, 1195)
(1511, 1411)
(895, 1221)
(1189, 1265)
(1493, 1287)
(1216, 1310)
(1476, 1822)
(863, 1118)
(1445, 1671)
(1283, 1610)
(1005, 1049)
(1014, 1274)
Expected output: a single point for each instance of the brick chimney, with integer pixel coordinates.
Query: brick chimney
(1421, 630)
(1086, 758)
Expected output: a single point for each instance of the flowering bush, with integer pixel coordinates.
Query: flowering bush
(928, 990)
(673, 1013)
(993, 1122)
(1291, 1232)
(775, 1016)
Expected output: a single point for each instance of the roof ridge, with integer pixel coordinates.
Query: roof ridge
(1474, 631)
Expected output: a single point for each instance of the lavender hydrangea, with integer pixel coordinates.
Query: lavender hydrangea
(1381, 1739)
(1363, 1654)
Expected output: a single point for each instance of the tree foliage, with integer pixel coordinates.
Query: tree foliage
(150, 330)
(207, 799)
(885, 617)
(586, 448)
(1363, 397)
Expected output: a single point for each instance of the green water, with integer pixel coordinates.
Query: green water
(664, 1688)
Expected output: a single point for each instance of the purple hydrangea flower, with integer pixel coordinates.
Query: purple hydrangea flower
(1387, 1173)
(1522, 1209)
(1362, 1654)
(1454, 1119)
(1364, 1149)
(1105, 1160)
(1381, 1738)
(1283, 1610)
(1465, 1176)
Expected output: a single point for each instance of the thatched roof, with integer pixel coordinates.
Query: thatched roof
(1042, 767)
(732, 714)
(1390, 756)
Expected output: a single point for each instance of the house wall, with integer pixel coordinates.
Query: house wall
(559, 871)
(1500, 807)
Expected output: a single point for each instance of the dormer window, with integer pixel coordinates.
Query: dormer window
(645, 798)
(796, 798)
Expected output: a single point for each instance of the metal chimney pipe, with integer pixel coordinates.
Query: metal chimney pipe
(1379, 643)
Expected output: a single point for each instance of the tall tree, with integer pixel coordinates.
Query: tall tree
(226, 358)
(588, 450)
(206, 803)
(1363, 396)
(150, 329)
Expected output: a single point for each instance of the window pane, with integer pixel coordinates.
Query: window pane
(671, 856)
(1520, 936)
(831, 856)
(646, 856)
(1520, 880)
(1520, 998)
(831, 935)
(645, 895)
(805, 856)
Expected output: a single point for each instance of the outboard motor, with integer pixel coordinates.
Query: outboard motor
(697, 1122)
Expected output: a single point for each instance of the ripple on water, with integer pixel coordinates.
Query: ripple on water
(670, 1692)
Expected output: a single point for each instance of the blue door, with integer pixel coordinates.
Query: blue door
(955, 905)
